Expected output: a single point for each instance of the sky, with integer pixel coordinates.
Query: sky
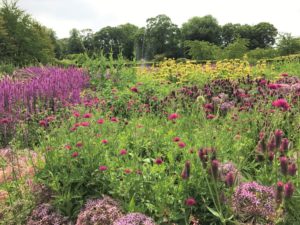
(63, 15)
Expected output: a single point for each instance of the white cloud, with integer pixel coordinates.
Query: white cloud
(63, 15)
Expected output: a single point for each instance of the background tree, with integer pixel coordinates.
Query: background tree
(263, 35)
(202, 50)
(23, 40)
(75, 43)
(202, 29)
(288, 45)
(162, 37)
(236, 49)
(229, 33)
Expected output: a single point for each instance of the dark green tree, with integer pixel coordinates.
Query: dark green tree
(230, 32)
(263, 36)
(287, 44)
(202, 29)
(162, 37)
(23, 40)
(75, 43)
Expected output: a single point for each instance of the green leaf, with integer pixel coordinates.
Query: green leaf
(131, 206)
(214, 212)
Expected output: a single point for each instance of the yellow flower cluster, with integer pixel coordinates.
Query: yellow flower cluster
(189, 71)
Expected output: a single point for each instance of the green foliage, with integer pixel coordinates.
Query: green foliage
(23, 41)
(162, 37)
(202, 29)
(236, 50)
(288, 45)
(261, 53)
(202, 50)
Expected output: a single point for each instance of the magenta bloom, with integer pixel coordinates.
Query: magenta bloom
(43, 123)
(102, 168)
(87, 115)
(284, 75)
(123, 152)
(104, 141)
(173, 116)
(288, 190)
(68, 147)
(75, 154)
(176, 139)
(100, 121)
(127, 171)
(76, 114)
(274, 86)
(210, 116)
(114, 119)
(281, 103)
(190, 202)
(79, 144)
(134, 89)
(85, 124)
(159, 161)
(181, 144)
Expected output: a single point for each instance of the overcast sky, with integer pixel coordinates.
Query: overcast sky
(63, 15)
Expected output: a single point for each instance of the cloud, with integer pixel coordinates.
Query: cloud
(63, 15)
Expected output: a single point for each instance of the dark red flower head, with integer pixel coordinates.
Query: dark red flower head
(190, 202)
(173, 116)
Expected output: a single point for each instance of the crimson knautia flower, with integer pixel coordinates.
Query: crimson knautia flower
(100, 121)
(75, 154)
(102, 168)
(190, 202)
(123, 152)
(159, 161)
(114, 119)
(68, 147)
(79, 144)
(181, 144)
(134, 89)
(284, 75)
(173, 116)
(43, 123)
(292, 169)
(210, 116)
(85, 124)
(87, 115)
(176, 139)
(127, 171)
(104, 141)
(288, 190)
(254, 200)
(274, 86)
(281, 103)
(134, 219)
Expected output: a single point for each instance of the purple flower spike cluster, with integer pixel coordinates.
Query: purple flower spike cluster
(134, 219)
(254, 200)
(45, 87)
